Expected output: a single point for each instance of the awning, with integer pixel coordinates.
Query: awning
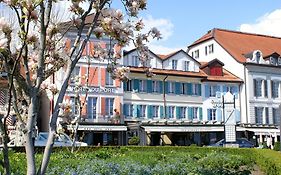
(264, 131)
(99, 127)
(183, 128)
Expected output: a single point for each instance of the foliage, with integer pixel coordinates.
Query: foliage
(135, 140)
(156, 160)
(276, 146)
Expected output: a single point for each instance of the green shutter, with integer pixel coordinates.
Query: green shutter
(207, 91)
(178, 112)
(149, 86)
(125, 86)
(135, 111)
(190, 113)
(149, 111)
(200, 114)
(178, 88)
(136, 85)
(189, 88)
(161, 112)
(199, 89)
(160, 87)
(166, 87)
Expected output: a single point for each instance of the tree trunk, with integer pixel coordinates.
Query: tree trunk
(53, 122)
(29, 144)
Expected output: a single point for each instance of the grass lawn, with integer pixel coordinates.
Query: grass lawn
(156, 160)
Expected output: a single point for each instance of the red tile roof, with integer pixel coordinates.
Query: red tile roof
(239, 43)
(227, 76)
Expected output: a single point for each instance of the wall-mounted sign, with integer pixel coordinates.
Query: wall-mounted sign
(92, 89)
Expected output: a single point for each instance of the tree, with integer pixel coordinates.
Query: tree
(33, 50)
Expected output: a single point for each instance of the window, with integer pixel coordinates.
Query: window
(155, 86)
(211, 114)
(182, 112)
(74, 105)
(172, 87)
(186, 65)
(206, 50)
(142, 110)
(196, 54)
(142, 85)
(135, 61)
(109, 106)
(258, 87)
(213, 90)
(216, 71)
(276, 116)
(196, 89)
(174, 64)
(275, 89)
(108, 80)
(155, 111)
(128, 85)
(91, 107)
(74, 75)
(211, 48)
(195, 113)
(183, 88)
(266, 116)
(258, 114)
(171, 110)
(128, 111)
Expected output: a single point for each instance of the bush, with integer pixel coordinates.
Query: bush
(276, 146)
(135, 140)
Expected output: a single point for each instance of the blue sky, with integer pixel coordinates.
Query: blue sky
(183, 21)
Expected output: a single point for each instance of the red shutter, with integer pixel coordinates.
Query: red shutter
(102, 106)
(83, 75)
(93, 76)
(67, 45)
(92, 49)
(103, 77)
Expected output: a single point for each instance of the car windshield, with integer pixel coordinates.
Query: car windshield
(43, 136)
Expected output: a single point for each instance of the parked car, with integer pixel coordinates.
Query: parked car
(60, 141)
(242, 142)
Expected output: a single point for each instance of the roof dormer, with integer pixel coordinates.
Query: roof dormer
(255, 57)
(273, 59)
(213, 68)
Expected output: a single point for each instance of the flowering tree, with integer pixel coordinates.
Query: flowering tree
(33, 49)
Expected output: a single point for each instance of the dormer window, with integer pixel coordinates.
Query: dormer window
(186, 65)
(174, 64)
(216, 70)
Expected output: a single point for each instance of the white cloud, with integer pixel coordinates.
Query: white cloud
(166, 28)
(268, 24)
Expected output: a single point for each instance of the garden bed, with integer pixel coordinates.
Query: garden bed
(157, 160)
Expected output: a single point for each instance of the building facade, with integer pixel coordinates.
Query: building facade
(174, 106)
(256, 60)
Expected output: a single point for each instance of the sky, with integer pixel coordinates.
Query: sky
(183, 21)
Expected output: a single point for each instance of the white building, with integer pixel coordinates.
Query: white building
(256, 60)
(171, 107)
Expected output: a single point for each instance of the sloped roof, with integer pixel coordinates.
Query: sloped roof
(238, 44)
(132, 50)
(227, 77)
(199, 74)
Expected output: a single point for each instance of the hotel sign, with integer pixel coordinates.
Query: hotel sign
(92, 89)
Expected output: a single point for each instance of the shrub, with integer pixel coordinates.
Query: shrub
(135, 140)
(276, 146)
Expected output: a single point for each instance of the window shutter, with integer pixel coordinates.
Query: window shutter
(166, 87)
(125, 87)
(161, 112)
(219, 115)
(89, 108)
(272, 88)
(178, 112)
(265, 88)
(178, 88)
(149, 86)
(255, 87)
(190, 113)
(125, 110)
(135, 111)
(200, 114)
(136, 85)
(237, 115)
(235, 91)
(149, 111)
(256, 114)
(189, 89)
(266, 116)
(224, 89)
(207, 90)
(209, 114)
(160, 87)
(199, 89)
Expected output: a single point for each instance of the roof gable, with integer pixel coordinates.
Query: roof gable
(238, 44)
